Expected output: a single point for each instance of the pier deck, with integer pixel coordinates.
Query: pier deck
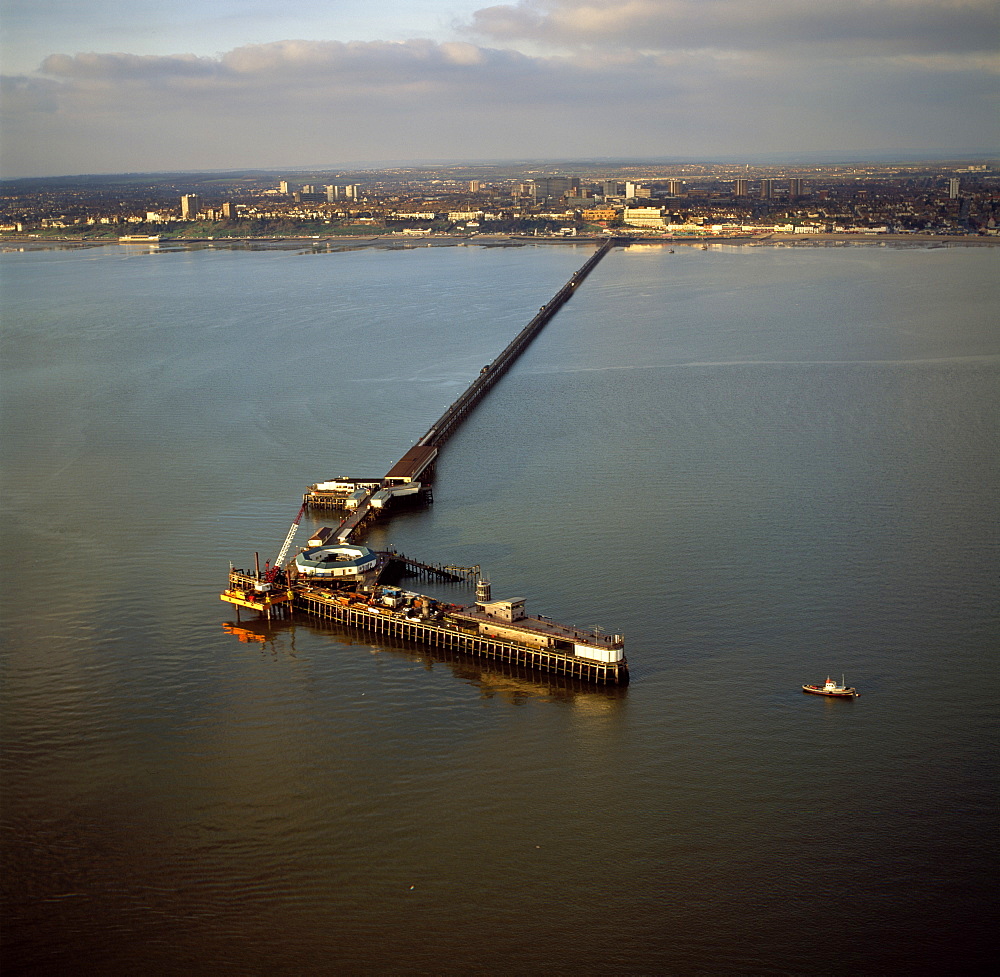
(450, 633)
(418, 461)
(448, 422)
(456, 627)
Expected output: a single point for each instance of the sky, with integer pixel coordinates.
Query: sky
(113, 86)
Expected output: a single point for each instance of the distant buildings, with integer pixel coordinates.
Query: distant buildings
(600, 214)
(554, 187)
(644, 217)
(349, 192)
(694, 200)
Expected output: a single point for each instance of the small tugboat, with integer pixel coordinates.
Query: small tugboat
(831, 688)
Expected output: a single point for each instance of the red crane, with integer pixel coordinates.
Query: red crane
(273, 570)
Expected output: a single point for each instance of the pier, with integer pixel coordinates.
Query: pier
(541, 644)
(449, 634)
(405, 566)
(447, 423)
(411, 474)
(340, 581)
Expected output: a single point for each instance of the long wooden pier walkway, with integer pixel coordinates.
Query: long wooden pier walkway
(420, 459)
(448, 422)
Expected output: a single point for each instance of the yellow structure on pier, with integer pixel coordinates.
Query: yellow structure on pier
(258, 598)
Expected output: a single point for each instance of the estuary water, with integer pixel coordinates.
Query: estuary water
(762, 465)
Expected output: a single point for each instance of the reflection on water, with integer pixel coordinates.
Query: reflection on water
(493, 678)
(760, 465)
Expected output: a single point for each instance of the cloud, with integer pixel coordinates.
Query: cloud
(126, 67)
(316, 70)
(852, 27)
(22, 96)
(348, 81)
(303, 102)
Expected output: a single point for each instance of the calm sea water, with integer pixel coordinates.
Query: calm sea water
(762, 465)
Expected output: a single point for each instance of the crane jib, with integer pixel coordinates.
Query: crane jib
(285, 546)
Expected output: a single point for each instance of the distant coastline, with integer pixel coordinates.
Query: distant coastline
(398, 242)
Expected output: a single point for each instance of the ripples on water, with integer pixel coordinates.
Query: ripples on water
(761, 465)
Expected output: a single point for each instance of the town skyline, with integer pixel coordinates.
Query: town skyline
(224, 85)
(540, 199)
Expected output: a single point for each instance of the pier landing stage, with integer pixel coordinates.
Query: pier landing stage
(527, 642)
(499, 629)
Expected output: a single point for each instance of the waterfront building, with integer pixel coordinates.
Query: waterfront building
(644, 217)
(599, 214)
(189, 206)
